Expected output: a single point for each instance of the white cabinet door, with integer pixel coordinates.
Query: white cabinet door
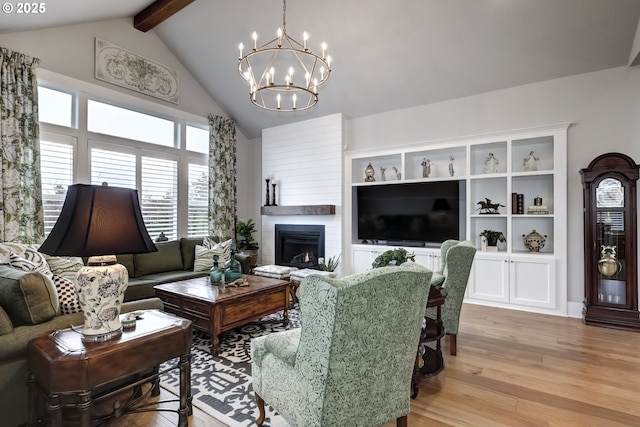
(430, 258)
(532, 281)
(489, 278)
(361, 260)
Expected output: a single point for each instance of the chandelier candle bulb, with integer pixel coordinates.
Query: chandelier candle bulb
(241, 48)
(324, 48)
(278, 101)
(254, 36)
(279, 33)
(294, 101)
(305, 37)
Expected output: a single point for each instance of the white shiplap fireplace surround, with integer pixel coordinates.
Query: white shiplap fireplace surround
(305, 159)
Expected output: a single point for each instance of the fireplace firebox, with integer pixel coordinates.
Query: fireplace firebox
(299, 246)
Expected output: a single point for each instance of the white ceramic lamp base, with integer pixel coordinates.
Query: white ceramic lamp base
(100, 288)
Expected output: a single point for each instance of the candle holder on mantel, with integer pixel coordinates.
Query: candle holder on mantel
(267, 204)
(274, 193)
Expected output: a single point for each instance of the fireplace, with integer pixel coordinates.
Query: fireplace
(299, 245)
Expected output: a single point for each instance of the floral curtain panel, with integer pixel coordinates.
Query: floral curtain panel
(222, 177)
(22, 218)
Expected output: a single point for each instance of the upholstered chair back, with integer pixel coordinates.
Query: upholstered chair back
(438, 276)
(351, 362)
(458, 261)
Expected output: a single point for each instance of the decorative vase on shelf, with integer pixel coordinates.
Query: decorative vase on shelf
(534, 241)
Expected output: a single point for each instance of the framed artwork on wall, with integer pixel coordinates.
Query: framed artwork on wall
(124, 68)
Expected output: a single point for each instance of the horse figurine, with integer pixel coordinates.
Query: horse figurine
(486, 207)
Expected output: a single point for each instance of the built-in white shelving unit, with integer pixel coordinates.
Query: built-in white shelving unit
(512, 277)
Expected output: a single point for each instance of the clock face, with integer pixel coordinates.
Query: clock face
(610, 194)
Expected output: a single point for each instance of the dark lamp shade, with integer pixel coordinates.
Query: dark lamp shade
(99, 220)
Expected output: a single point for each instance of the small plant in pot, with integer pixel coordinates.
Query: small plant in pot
(246, 242)
(492, 238)
(393, 257)
(329, 264)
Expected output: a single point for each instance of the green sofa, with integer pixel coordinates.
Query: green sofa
(174, 261)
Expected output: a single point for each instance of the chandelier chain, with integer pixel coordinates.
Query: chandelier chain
(284, 16)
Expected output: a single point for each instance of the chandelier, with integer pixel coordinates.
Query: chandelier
(283, 74)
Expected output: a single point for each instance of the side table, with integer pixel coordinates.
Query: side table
(71, 373)
(429, 361)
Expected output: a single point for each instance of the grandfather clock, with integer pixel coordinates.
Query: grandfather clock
(610, 256)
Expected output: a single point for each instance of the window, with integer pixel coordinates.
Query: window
(55, 107)
(57, 175)
(197, 139)
(115, 168)
(142, 151)
(198, 220)
(159, 201)
(116, 121)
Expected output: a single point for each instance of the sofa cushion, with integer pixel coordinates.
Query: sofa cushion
(27, 297)
(6, 327)
(67, 296)
(167, 258)
(188, 249)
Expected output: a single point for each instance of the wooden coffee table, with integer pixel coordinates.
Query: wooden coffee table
(216, 311)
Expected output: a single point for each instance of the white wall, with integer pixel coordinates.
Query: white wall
(603, 107)
(306, 160)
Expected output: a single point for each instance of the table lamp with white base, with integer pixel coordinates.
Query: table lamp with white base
(99, 222)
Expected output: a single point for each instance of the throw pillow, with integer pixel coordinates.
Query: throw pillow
(67, 296)
(28, 297)
(209, 242)
(64, 266)
(38, 259)
(6, 327)
(204, 256)
(20, 263)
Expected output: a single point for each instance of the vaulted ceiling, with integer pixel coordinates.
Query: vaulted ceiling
(387, 55)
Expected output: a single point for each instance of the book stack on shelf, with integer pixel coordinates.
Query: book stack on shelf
(537, 210)
(517, 203)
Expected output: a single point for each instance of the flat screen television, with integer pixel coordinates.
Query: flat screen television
(410, 214)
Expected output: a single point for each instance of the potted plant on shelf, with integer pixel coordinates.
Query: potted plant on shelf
(246, 243)
(393, 257)
(490, 238)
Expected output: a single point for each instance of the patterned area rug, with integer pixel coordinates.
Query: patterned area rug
(221, 385)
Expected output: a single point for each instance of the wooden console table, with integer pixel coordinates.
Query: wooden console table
(430, 362)
(71, 373)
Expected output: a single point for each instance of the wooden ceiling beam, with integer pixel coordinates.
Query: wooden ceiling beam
(157, 12)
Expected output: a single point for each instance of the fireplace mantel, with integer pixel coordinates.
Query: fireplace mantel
(299, 210)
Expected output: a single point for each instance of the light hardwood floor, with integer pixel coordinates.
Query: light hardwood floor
(515, 369)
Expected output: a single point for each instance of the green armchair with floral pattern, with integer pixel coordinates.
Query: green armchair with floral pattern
(350, 364)
(457, 261)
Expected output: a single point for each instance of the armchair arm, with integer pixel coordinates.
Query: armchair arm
(284, 345)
